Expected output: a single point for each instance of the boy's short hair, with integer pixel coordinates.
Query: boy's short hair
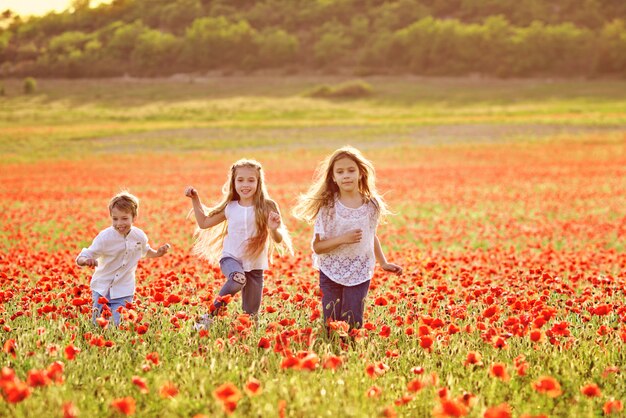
(125, 202)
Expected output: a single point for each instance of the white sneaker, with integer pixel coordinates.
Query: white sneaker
(204, 323)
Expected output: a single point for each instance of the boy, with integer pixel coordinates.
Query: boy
(115, 253)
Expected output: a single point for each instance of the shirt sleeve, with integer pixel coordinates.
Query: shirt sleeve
(319, 225)
(373, 217)
(95, 250)
(145, 245)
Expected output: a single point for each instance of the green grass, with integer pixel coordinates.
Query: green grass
(73, 117)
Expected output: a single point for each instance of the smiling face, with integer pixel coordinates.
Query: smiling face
(346, 175)
(121, 220)
(246, 183)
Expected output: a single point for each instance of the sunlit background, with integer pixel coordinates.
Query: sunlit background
(40, 7)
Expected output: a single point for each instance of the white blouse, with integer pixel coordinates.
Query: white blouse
(241, 227)
(117, 257)
(348, 264)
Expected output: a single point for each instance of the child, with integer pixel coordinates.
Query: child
(115, 253)
(248, 217)
(345, 207)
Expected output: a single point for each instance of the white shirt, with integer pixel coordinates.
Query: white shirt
(348, 264)
(117, 260)
(241, 227)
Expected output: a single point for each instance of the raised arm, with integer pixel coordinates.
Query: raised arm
(163, 249)
(204, 221)
(274, 222)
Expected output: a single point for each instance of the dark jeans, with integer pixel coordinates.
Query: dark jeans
(251, 286)
(343, 303)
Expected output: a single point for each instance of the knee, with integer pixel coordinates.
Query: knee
(239, 278)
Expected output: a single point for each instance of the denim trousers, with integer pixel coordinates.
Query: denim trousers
(343, 303)
(250, 285)
(114, 305)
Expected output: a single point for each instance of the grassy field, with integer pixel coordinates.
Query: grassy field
(73, 117)
(508, 200)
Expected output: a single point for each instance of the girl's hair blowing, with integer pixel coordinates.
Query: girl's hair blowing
(324, 190)
(209, 242)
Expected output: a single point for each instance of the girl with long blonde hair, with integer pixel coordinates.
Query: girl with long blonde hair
(240, 233)
(345, 208)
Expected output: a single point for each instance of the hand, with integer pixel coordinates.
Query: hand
(353, 237)
(89, 262)
(273, 220)
(191, 192)
(163, 249)
(392, 268)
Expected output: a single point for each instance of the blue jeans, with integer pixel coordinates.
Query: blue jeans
(343, 303)
(114, 305)
(249, 283)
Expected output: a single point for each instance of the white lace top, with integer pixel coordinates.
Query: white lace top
(348, 264)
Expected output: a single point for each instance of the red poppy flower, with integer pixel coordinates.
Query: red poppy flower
(591, 390)
(473, 358)
(168, 390)
(415, 385)
(15, 391)
(498, 370)
(125, 406)
(385, 331)
(79, 302)
(71, 351)
(153, 357)
(9, 347)
(37, 378)
(500, 411)
(373, 392)
(227, 392)
(55, 371)
(332, 362)
(448, 408)
(548, 386)
(426, 342)
(612, 406)
(253, 387)
(141, 384)
(376, 369)
(69, 410)
(102, 323)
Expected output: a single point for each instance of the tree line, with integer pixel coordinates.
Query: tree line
(505, 38)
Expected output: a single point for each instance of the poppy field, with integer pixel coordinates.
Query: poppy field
(511, 303)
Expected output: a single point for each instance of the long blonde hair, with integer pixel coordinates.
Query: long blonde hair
(324, 190)
(209, 242)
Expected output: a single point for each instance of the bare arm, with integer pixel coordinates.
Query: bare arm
(86, 261)
(321, 246)
(163, 249)
(380, 257)
(274, 222)
(204, 221)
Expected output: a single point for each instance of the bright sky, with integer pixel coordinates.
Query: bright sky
(39, 7)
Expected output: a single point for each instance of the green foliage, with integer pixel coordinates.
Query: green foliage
(347, 90)
(67, 42)
(124, 39)
(432, 37)
(30, 85)
(276, 47)
(333, 44)
(211, 42)
(153, 51)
